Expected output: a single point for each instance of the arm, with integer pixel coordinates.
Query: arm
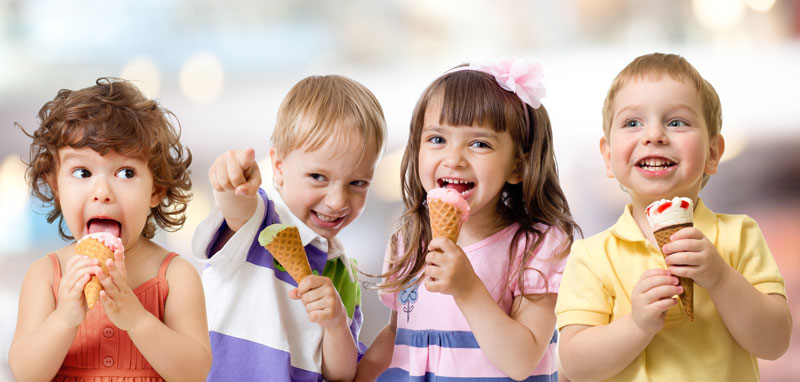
(324, 306)
(760, 323)
(235, 179)
(379, 356)
(603, 351)
(514, 344)
(45, 331)
(179, 347)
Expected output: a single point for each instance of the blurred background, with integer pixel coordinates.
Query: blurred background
(223, 66)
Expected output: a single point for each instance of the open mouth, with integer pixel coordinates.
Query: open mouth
(462, 186)
(102, 224)
(655, 164)
(329, 221)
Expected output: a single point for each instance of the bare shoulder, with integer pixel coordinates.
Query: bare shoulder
(180, 268)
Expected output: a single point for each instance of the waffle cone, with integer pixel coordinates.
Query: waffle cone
(95, 250)
(287, 249)
(445, 219)
(687, 297)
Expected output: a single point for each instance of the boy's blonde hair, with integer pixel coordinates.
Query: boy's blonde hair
(321, 109)
(655, 65)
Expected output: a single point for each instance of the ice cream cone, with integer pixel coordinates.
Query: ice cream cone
(284, 242)
(687, 297)
(95, 249)
(445, 219)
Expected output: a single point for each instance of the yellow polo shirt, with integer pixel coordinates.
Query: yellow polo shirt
(602, 270)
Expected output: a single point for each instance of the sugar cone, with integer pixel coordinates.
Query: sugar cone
(95, 250)
(287, 249)
(687, 297)
(445, 219)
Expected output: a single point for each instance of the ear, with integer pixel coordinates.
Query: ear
(158, 195)
(517, 173)
(605, 151)
(277, 167)
(716, 147)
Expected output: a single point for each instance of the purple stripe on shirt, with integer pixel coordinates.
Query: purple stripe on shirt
(396, 374)
(355, 328)
(236, 359)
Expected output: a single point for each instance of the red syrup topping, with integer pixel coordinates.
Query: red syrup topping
(664, 206)
(684, 204)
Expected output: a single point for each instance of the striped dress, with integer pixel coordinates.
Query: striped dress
(433, 340)
(257, 332)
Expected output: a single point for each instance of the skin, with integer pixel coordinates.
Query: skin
(514, 344)
(113, 186)
(325, 188)
(659, 121)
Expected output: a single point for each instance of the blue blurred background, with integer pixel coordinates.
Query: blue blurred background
(223, 66)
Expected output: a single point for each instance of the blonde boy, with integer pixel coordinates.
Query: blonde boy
(328, 137)
(616, 309)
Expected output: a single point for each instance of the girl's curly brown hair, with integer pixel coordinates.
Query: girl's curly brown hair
(112, 115)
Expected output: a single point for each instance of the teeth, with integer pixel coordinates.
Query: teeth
(325, 218)
(659, 163)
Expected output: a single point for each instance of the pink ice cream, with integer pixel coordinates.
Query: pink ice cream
(452, 197)
(665, 212)
(112, 242)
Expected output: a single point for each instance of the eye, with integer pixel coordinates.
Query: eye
(81, 173)
(360, 183)
(676, 123)
(126, 173)
(632, 123)
(436, 140)
(318, 177)
(480, 145)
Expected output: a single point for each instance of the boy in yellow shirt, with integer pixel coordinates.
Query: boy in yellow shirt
(618, 317)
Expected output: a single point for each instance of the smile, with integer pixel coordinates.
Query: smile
(326, 220)
(655, 164)
(462, 186)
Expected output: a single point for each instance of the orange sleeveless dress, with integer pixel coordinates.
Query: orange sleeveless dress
(103, 353)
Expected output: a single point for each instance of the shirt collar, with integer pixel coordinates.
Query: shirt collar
(704, 219)
(332, 247)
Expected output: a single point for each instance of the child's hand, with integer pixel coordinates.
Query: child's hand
(321, 300)
(690, 254)
(71, 303)
(235, 170)
(448, 269)
(121, 305)
(652, 297)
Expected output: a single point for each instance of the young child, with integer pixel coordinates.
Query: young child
(616, 311)
(481, 308)
(109, 160)
(328, 137)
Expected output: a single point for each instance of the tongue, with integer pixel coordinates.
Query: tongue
(460, 187)
(104, 225)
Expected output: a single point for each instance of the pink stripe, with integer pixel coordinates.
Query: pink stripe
(451, 362)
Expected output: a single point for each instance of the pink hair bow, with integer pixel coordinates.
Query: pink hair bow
(522, 76)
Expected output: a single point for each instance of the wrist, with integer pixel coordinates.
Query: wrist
(640, 332)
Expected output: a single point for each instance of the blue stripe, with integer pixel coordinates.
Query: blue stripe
(236, 359)
(395, 374)
(445, 339)
(442, 338)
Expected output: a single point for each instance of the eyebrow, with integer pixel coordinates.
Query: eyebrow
(679, 106)
(479, 132)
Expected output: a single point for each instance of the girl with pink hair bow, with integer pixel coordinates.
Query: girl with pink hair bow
(482, 307)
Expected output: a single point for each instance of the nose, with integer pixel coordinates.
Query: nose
(101, 190)
(454, 157)
(336, 199)
(655, 133)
